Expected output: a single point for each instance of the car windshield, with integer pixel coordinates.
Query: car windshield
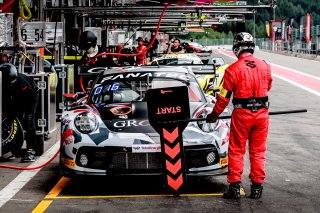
(135, 90)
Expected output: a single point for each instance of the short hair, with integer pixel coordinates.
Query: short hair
(176, 39)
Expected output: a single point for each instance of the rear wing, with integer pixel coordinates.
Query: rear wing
(198, 69)
(90, 71)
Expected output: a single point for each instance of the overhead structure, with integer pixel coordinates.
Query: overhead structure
(145, 14)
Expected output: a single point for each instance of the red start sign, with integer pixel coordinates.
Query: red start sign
(170, 104)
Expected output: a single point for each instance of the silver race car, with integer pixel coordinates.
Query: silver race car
(106, 132)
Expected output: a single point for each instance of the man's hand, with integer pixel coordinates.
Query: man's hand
(211, 118)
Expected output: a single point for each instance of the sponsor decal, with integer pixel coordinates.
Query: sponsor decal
(139, 148)
(224, 161)
(96, 70)
(65, 121)
(122, 76)
(14, 132)
(68, 163)
(130, 123)
(165, 91)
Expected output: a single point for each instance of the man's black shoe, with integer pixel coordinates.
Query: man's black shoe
(256, 190)
(30, 156)
(233, 191)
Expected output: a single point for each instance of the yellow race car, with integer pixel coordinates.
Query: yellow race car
(212, 83)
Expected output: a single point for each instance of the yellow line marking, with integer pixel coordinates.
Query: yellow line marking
(42, 206)
(57, 188)
(136, 196)
(242, 193)
(55, 191)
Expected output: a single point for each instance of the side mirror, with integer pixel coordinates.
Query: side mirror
(90, 84)
(69, 99)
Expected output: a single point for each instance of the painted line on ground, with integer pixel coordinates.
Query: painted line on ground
(24, 177)
(302, 80)
(55, 191)
(242, 193)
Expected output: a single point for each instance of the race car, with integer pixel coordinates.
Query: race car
(196, 48)
(212, 83)
(107, 132)
(210, 80)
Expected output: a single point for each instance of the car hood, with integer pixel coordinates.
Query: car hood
(131, 117)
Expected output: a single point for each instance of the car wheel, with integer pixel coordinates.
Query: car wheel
(12, 136)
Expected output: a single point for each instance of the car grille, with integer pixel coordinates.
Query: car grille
(117, 161)
(126, 160)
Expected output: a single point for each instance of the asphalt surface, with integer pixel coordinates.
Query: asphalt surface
(293, 168)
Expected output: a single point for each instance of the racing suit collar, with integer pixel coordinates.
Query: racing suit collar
(245, 54)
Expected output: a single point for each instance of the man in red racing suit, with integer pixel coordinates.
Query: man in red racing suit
(141, 59)
(249, 79)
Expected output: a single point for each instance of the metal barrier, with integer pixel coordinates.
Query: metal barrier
(294, 47)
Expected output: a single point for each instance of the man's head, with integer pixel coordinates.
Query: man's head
(88, 40)
(176, 43)
(140, 41)
(243, 42)
(9, 74)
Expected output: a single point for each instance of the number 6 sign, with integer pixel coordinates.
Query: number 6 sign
(33, 33)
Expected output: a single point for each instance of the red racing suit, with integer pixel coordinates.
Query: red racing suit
(247, 78)
(141, 59)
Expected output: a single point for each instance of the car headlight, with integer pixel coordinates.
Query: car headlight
(86, 122)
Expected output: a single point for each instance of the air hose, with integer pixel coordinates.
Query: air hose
(31, 168)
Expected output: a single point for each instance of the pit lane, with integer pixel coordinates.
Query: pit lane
(292, 184)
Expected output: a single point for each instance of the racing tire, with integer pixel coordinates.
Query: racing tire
(12, 136)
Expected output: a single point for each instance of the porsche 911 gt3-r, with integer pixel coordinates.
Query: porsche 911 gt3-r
(107, 132)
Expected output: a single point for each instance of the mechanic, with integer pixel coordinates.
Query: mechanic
(141, 59)
(175, 47)
(21, 97)
(249, 79)
(88, 43)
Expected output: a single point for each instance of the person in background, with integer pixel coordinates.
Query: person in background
(175, 47)
(88, 43)
(249, 80)
(21, 96)
(141, 48)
